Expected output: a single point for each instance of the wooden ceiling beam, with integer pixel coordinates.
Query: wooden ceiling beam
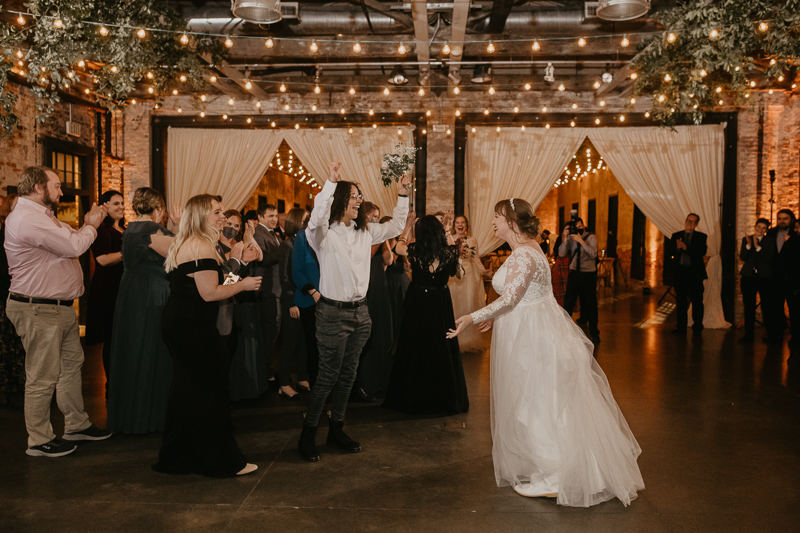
(419, 12)
(458, 30)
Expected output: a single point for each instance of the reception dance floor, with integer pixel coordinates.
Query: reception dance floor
(718, 423)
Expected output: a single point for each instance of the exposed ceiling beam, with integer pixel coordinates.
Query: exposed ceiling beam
(498, 16)
(419, 12)
(619, 77)
(457, 31)
(384, 10)
(238, 78)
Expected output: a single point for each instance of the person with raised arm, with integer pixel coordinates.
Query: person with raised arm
(342, 238)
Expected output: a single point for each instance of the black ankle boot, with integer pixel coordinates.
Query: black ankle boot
(338, 438)
(307, 446)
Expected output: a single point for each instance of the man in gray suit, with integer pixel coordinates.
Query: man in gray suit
(270, 292)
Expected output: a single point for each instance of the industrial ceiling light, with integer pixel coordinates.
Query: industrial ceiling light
(454, 77)
(398, 76)
(257, 11)
(622, 9)
(607, 77)
(482, 73)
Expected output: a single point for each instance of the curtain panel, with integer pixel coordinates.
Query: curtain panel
(229, 163)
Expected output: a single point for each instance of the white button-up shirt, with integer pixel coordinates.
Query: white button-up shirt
(43, 252)
(343, 251)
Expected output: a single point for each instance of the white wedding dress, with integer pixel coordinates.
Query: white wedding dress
(555, 424)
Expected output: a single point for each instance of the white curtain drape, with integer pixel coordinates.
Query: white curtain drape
(360, 152)
(669, 174)
(512, 163)
(229, 163)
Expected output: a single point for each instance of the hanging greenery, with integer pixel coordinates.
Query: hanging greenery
(718, 50)
(110, 45)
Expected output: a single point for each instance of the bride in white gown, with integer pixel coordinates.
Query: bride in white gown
(556, 428)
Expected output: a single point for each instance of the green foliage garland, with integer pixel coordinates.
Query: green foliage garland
(59, 57)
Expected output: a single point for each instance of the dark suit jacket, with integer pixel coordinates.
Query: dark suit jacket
(268, 267)
(779, 259)
(696, 250)
(761, 260)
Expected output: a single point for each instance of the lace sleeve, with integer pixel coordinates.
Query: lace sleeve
(520, 268)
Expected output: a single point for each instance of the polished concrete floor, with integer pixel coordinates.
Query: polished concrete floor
(718, 423)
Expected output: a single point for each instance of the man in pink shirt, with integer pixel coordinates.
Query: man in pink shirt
(45, 279)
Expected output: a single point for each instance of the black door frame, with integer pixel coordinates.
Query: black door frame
(562, 120)
(160, 125)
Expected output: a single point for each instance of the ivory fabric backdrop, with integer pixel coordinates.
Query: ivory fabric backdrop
(667, 173)
(232, 162)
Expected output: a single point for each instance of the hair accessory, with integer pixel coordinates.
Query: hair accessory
(511, 201)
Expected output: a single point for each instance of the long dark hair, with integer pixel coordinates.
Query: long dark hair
(431, 240)
(104, 199)
(341, 198)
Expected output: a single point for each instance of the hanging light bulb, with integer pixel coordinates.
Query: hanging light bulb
(458, 112)
(621, 119)
(183, 79)
(272, 124)
(175, 92)
(386, 91)
(317, 89)
(596, 84)
(184, 39)
(527, 86)
(456, 90)
(21, 20)
(402, 49)
(428, 113)
(633, 100)
(149, 89)
(719, 89)
(485, 111)
(400, 112)
(258, 104)
(150, 76)
(771, 62)
(762, 27)
(671, 38)
(180, 110)
(780, 78)
(282, 88)
(544, 109)
(141, 33)
(703, 73)
(314, 46)
(356, 47)
(771, 91)
(535, 46)
(572, 124)
(352, 90)
(297, 126)
(667, 77)
(371, 112)
(314, 107)
(230, 101)
(714, 33)
(574, 106)
(268, 43)
(647, 114)
(228, 42)
(597, 121)
(286, 107)
(114, 69)
(342, 111)
(87, 90)
(561, 87)
(491, 90)
(752, 84)
(547, 126)
(349, 130)
(490, 48)
(248, 85)
(249, 120)
(602, 103)
(446, 48)
(581, 42)
(213, 79)
(661, 98)
(103, 31)
(58, 23)
(374, 126)
(421, 91)
(625, 42)
(498, 129)
(133, 102)
(516, 110)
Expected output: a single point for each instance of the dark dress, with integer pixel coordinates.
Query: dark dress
(103, 292)
(12, 353)
(398, 282)
(198, 436)
(375, 365)
(141, 370)
(249, 371)
(427, 377)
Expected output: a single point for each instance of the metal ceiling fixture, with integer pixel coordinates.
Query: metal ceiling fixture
(482, 73)
(607, 77)
(548, 73)
(257, 11)
(622, 9)
(398, 76)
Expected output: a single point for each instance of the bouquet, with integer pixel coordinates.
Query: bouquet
(398, 163)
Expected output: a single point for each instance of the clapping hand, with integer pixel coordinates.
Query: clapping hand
(96, 215)
(252, 253)
(249, 231)
(462, 323)
(236, 251)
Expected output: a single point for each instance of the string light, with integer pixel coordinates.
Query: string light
(386, 91)
(485, 111)
(661, 98)
(183, 79)
(634, 75)
(535, 47)
(458, 112)
(667, 77)
(523, 127)
(402, 49)
(374, 126)
(625, 42)
(149, 89)
(133, 102)
(428, 113)
(671, 38)
(544, 109)
(424, 132)
(633, 100)
(597, 121)
(647, 114)
(282, 88)
(602, 103)
(81, 63)
(456, 90)
(184, 39)
(771, 62)
(228, 42)
(474, 130)
(446, 48)
(572, 124)
(314, 46)
(213, 79)
(490, 48)
(58, 23)
(491, 90)
(297, 126)
(574, 106)
(21, 20)
(356, 47)
(342, 111)
(622, 118)
(527, 86)
(141, 33)
(703, 73)
(596, 84)
(352, 91)
(258, 104)
(400, 112)
(180, 110)
(421, 91)
(249, 120)
(714, 33)
(103, 31)
(230, 101)
(314, 107)
(371, 112)
(719, 89)
(547, 126)
(763, 27)
(771, 91)
(150, 75)
(317, 89)
(87, 90)
(498, 129)
(114, 69)
(349, 130)
(516, 110)
(175, 92)
(286, 107)
(399, 132)
(561, 87)
(780, 78)
(268, 43)
(581, 42)
(272, 124)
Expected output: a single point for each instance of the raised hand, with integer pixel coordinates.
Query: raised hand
(249, 231)
(402, 185)
(96, 215)
(175, 214)
(334, 167)
(462, 323)
(411, 219)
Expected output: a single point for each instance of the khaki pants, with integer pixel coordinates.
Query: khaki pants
(53, 362)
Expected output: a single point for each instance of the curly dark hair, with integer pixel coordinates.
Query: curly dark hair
(341, 198)
(430, 238)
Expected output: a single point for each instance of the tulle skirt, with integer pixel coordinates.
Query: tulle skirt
(555, 423)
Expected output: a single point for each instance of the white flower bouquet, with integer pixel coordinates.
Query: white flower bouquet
(398, 163)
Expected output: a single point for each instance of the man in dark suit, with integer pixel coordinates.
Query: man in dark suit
(757, 253)
(270, 292)
(687, 250)
(781, 272)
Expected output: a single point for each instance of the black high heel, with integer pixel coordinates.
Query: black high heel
(292, 397)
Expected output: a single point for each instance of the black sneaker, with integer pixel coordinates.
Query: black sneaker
(91, 433)
(54, 448)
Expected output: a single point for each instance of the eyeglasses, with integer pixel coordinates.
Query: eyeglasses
(356, 196)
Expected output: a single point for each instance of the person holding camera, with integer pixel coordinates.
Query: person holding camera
(688, 248)
(581, 247)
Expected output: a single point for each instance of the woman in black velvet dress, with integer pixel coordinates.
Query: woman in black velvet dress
(198, 436)
(427, 376)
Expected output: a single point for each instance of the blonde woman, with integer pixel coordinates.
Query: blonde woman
(468, 292)
(198, 435)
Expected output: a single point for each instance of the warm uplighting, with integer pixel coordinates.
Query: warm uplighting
(228, 42)
(184, 39)
(313, 47)
(268, 43)
(141, 33)
(490, 48)
(356, 47)
(581, 42)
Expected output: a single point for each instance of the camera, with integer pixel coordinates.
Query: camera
(573, 217)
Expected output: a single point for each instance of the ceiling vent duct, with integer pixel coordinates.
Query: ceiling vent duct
(398, 76)
(482, 74)
(622, 9)
(257, 11)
